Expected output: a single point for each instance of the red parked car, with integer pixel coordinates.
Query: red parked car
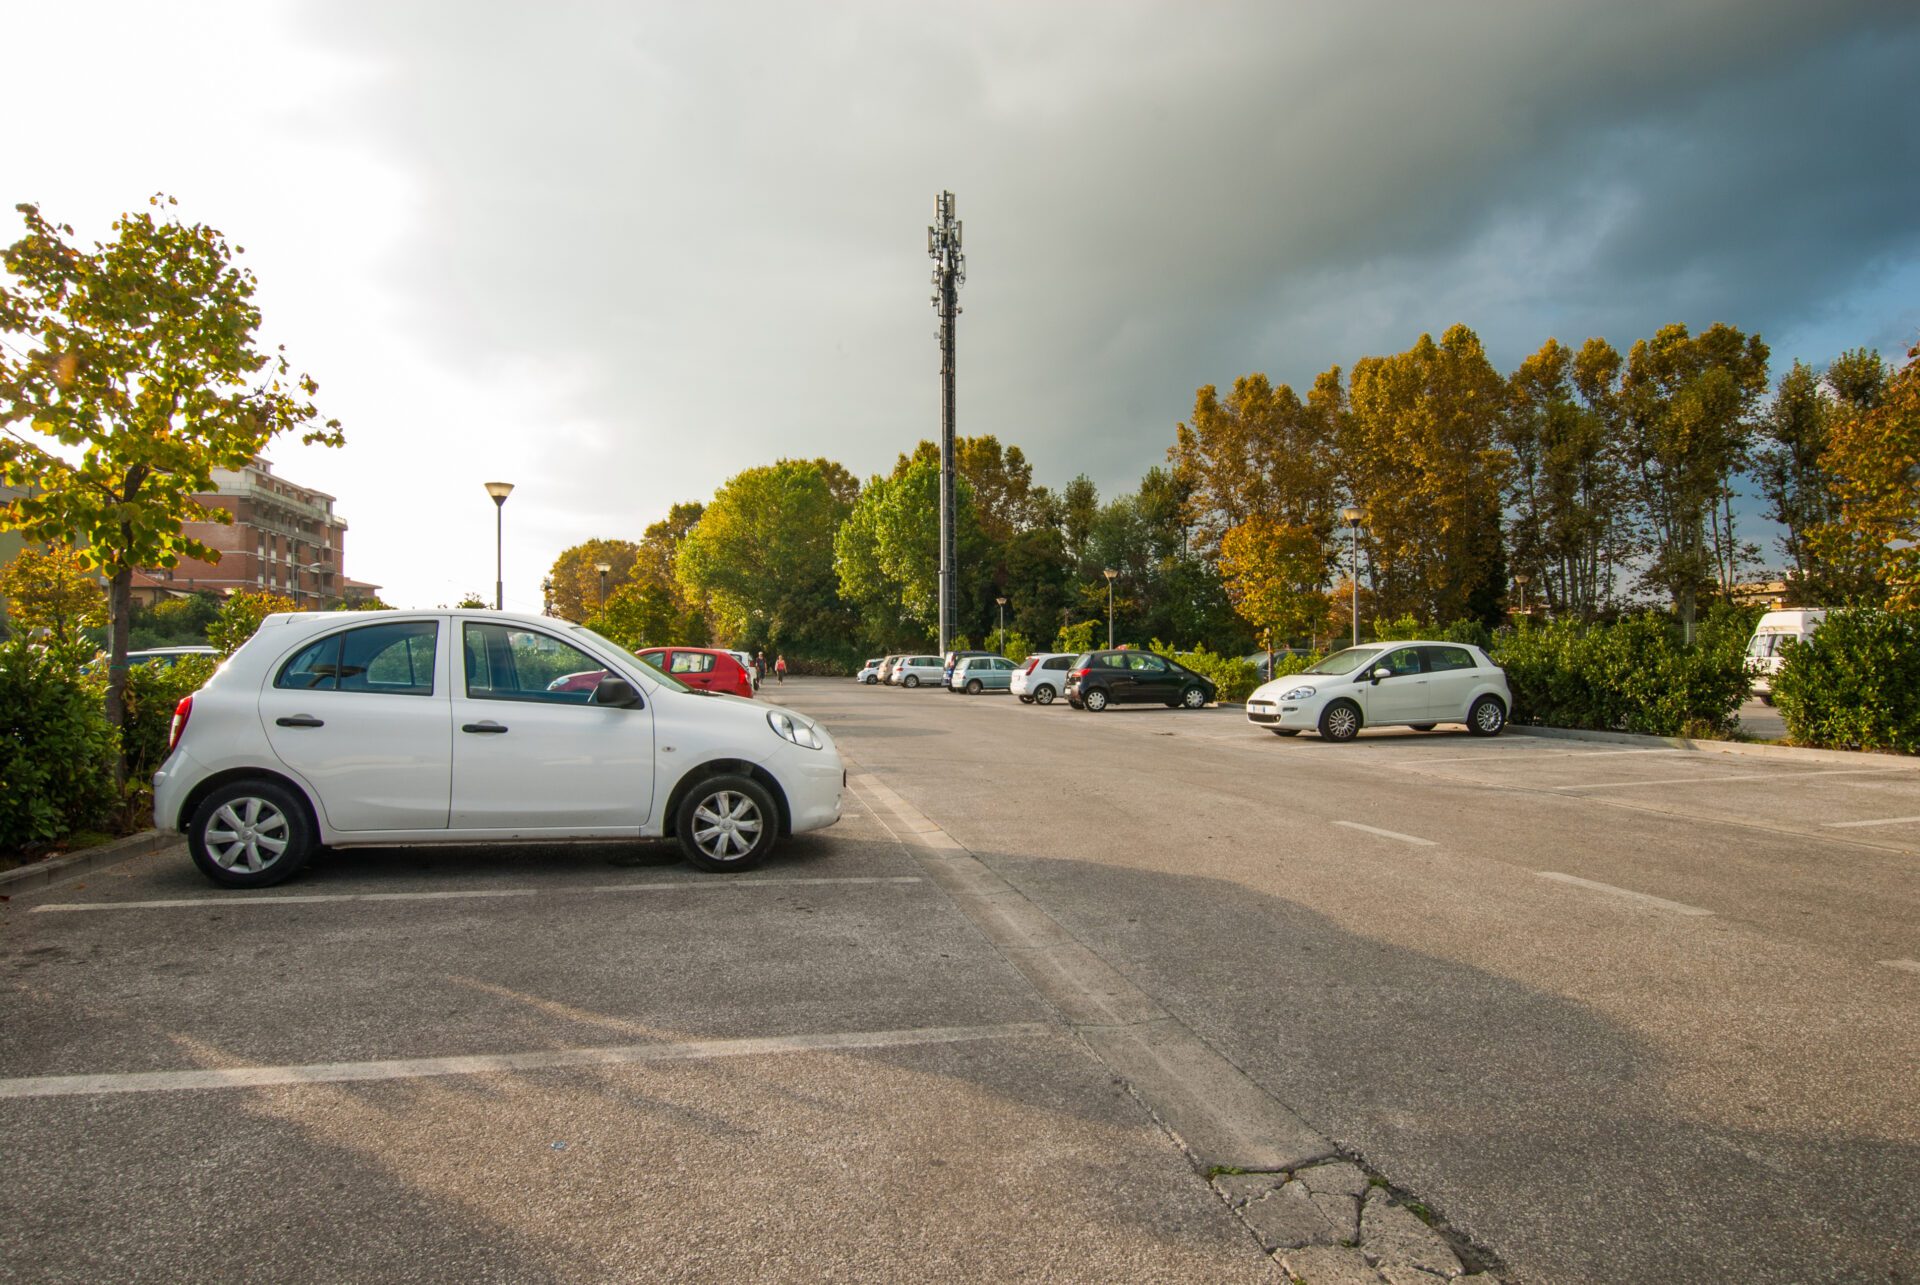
(706, 668)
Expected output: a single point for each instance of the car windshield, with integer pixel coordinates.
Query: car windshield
(658, 675)
(1344, 662)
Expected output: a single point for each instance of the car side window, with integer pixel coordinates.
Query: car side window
(508, 663)
(1058, 662)
(1141, 662)
(691, 662)
(392, 659)
(1402, 662)
(1441, 659)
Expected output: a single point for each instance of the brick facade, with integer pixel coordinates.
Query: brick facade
(284, 538)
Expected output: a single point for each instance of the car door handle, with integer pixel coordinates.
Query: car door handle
(299, 720)
(487, 728)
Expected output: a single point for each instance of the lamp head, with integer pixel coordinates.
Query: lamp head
(603, 567)
(1109, 573)
(1001, 601)
(499, 491)
(1350, 515)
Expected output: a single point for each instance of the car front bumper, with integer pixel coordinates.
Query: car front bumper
(1273, 713)
(815, 782)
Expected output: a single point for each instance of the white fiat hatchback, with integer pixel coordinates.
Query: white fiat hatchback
(353, 730)
(1407, 684)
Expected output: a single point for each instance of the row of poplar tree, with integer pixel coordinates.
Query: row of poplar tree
(1594, 479)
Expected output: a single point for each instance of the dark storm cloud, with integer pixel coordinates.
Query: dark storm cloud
(713, 213)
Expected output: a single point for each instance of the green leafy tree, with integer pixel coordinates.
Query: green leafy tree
(239, 619)
(762, 557)
(1273, 574)
(134, 374)
(360, 604)
(1873, 460)
(1687, 404)
(53, 590)
(1076, 638)
(173, 622)
(576, 576)
(1260, 453)
(639, 615)
(472, 601)
(887, 552)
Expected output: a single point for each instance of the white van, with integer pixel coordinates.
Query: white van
(1767, 647)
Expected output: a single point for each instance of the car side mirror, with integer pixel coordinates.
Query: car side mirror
(1382, 672)
(616, 693)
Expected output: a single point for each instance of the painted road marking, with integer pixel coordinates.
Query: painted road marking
(1849, 825)
(1647, 899)
(1389, 834)
(1744, 776)
(652, 885)
(1528, 754)
(1904, 965)
(247, 1077)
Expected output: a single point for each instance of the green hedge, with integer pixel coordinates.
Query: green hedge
(1233, 677)
(56, 748)
(152, 693)
(1855, 684)
(1633, 676)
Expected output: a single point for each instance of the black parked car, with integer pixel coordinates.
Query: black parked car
(1102, 678)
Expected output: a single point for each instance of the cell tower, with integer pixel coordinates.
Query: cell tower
(949, 274)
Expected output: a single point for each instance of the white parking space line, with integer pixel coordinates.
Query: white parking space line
(1527, 755)
(1645, 899)
(652, 885)
(1389, 834)
(1852, 825)
(1743, 776)
(698, 885)
(1904, 965)
(182, 903)
(247, 1077)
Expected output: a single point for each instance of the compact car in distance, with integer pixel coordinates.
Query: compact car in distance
(327, 728)
(705, 668)
(870, 672)
(976, 674)
(952, 658)
(1099, 679)
(1041, 679)
(1415, 684)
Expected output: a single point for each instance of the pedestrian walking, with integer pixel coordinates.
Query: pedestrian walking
(780, 668)
(759, 667)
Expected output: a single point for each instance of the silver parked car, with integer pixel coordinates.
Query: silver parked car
(917, 671)
(976, 674)
(870, 672)
(1041, 679)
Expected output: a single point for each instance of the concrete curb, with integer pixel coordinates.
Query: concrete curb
(1785, 753)
(44, 874)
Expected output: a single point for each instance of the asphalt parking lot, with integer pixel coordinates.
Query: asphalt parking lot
(1613, 1013)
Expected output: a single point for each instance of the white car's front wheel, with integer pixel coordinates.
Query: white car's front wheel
(727, 823)
(1487, 716)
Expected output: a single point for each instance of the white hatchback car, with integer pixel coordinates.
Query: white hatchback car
(346, 730)
(917, 671)
(1042, 678)
(1415, 684)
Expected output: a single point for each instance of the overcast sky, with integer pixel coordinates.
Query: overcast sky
(614, 253)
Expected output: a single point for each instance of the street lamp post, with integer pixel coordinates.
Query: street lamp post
(546, 595)
(499, 491)
(1351, 516)
(1002, 603)
(1520, 580)
(603, 568)
(1109, 573)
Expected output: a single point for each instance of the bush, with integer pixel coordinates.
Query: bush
(239, 619)
(1406, 627)
(57, 751)
(1013, 645)
(153, 691)
(1855, 683)
(1074, 639)
(1234, 677)
(1633, 676)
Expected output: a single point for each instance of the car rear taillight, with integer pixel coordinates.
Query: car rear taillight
(181, 713)
(1083, 671)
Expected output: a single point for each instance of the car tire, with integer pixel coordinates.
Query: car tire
(975, 687)
(1043, 695)
(1094, 700)
(1284, 731)
(1026, 700)
(911, 680)
(1340, 721)
(721, 813)
(1423, 727)
(1195, 697)
(1487, 716)
(232, 834)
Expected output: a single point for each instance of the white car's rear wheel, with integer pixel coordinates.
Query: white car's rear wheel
(250, 834)
(911, 680)
(1095, 700)
(727, 823)
(1043, 695)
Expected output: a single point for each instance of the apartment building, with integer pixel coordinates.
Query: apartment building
(284, 538)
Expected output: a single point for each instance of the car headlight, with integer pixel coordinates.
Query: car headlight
(1297, 693)
(796, 730)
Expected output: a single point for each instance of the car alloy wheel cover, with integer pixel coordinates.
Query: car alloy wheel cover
(1342, 722)
(1095, 699)
(726, 825)
(1194, 698)
(974, 687)
(1044, 695)
(246, 835)
(911, 680)
(1488, 717)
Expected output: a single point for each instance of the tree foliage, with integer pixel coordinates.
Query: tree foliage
(53, 591)
(239, 619)
(575, 575)
(1873, 457)
(135, 374)
(1273, 573)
